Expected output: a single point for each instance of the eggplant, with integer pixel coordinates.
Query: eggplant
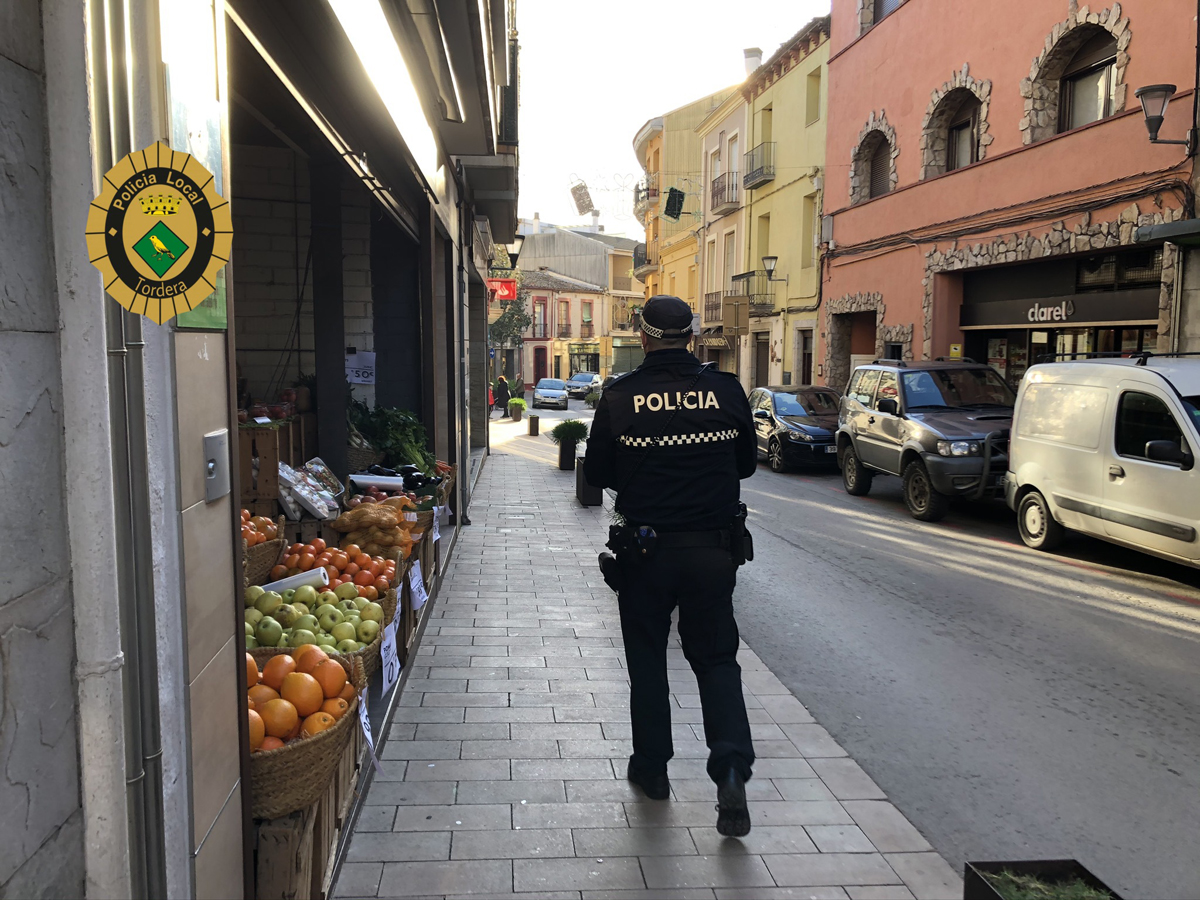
(382, 470)
(408, 470)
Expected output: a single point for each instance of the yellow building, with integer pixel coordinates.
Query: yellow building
(669, 150)
(782, 174)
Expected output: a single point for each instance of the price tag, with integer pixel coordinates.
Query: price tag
(416, 585)
(360, 367)
(437, 531)
(365, 721)
(262, 420)
(389, 658)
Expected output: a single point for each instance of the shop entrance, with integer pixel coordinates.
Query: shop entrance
(585, 362)
(1012, 351)
(762, 359)
(626, 359)
(539, 364)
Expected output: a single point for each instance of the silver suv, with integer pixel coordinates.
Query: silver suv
(942, 426)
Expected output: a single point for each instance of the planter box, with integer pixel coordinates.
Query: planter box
(1054, 871)
(566, 455)
(585, 493)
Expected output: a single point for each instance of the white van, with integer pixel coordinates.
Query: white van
(1108, 447)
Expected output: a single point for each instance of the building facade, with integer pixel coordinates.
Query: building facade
(567, 330)
(987, 207)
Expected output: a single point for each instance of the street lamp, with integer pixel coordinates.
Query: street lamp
(1154, 99)
(514, 250)
(769, 263)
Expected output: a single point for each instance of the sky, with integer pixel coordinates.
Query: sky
(592, 74)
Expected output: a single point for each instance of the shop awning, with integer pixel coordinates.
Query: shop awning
(1185, 232)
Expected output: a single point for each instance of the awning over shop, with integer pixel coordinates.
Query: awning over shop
(1185, 232)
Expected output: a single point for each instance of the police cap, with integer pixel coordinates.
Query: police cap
(665, 316)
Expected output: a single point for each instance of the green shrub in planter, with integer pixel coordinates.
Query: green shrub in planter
(569, 431)
(592, 399)
(517, 403)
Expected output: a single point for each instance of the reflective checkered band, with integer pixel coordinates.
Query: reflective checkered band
(703, 437)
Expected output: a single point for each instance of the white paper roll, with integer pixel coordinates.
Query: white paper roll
(388, 483)
(317, 577)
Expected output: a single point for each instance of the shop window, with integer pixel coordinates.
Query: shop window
(1142, 418)
(962, 143)
(1088, 85)
(1119, 271)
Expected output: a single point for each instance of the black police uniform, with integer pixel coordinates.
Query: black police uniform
(685, 486)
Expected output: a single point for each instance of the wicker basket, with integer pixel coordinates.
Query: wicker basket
(257, 561)
(424, 521)
(359, 460)
(447, 485)
(296, 775)
(352, 662)
(389, 600)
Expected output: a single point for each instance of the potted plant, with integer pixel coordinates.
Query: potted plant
(1044, 879)
(516, 406)
(567, 434)
(592, 399)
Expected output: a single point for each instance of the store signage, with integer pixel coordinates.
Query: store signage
(1136, 305)
(437, 530)
(956, 351)
(389, 658)
(714, 341)
(159, 232)
(503, 289)
(416, 585)
(360, 367)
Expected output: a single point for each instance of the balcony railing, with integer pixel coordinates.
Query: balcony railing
(712, 307)
(759, 165)
(639, 256)
(725, 192)
(540, 330)
(755, 287)
(645, 195)
(564, 331)
(587, 330)
(648, 258)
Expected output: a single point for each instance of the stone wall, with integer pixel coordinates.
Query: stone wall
(877, 128)
(1040, 89)
(1060, 239)
(866, 14)
(837, 331)
(41, 835)
(943, 103)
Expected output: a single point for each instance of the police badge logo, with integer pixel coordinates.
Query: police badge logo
(159, 232)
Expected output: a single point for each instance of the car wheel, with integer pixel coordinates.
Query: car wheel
(775, 456)
(924, 502)
(856, 479)
(1037, 524)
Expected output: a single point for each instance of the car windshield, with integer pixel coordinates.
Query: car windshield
(807, 403)
(550, 384)
(582, 376)
(956, 388)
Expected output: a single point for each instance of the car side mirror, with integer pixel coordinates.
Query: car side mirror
(1169, 452)
(761, 414)
(888, 406)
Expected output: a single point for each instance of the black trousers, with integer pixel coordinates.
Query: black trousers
(700, 582)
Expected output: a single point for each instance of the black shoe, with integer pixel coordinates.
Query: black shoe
(733, 818)
(656, 787)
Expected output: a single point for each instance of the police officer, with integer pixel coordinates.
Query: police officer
(673, 438)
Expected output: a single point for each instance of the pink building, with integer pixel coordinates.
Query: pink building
(987, 169)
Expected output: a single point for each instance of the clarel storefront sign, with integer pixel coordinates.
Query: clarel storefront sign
(1118, 307)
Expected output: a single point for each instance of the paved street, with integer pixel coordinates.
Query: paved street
(503, 771)
(1012, 704)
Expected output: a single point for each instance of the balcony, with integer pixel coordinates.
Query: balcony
(757, 289)
(725, 195)
(587, 330)
(712, 307)
(645, 260)
(759, 165)
(564, 331)
(539, 330)
(624, 320)
(645, 196)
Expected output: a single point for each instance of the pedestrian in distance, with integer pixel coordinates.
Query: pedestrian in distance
(673, 438)
(502, 395)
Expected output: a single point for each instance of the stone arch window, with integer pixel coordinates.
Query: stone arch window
(1079, 77)
(955, 130)
(873, 162)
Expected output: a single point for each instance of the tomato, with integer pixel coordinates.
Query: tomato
(278, 572)
(368, 592)
(352, 550)
(319, 544)
(245, 515)
(351, 570)
(292, 561)
(309, 548)
(362, 560)
(306, 562)
(332, 573)
(375, 567)
(381, 585)
(364, 578)
(295, 549)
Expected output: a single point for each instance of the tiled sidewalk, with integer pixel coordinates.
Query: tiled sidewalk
(504, 768)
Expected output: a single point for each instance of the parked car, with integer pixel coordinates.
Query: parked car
(550, 392)
(581, 384)
(1108, 447)
(796, 425)
(609, 380)
(941, 426)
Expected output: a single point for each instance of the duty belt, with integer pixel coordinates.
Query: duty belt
(680, 540)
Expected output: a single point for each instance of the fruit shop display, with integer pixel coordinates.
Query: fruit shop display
(339, 620)
(377, 526)
(257, 529)
(301, 491)
(294, 697)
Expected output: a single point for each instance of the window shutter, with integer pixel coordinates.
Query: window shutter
(885, 7)
(881, 166)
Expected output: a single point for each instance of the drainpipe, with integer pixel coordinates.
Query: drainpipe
(131, 496)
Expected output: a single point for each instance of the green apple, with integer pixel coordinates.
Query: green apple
(330, 619)
(343, 631)
(284, 641)
(269, 632)
(302, 637)
(326, 597)
(253, 616)
(286, 615)
(288, 595)
(360, 603)
(368, 630)
(251, 643)
(326, 640)
(347, 606)
(306, 594)
(347, 646)
(301, 608)
(252, 593)
(346, 591)
(325, 608)
(250, 630)
(331, 650)
(372, 612)
(307, 623)
(268, 602)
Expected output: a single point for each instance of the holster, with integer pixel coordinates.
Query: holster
(741, 542)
